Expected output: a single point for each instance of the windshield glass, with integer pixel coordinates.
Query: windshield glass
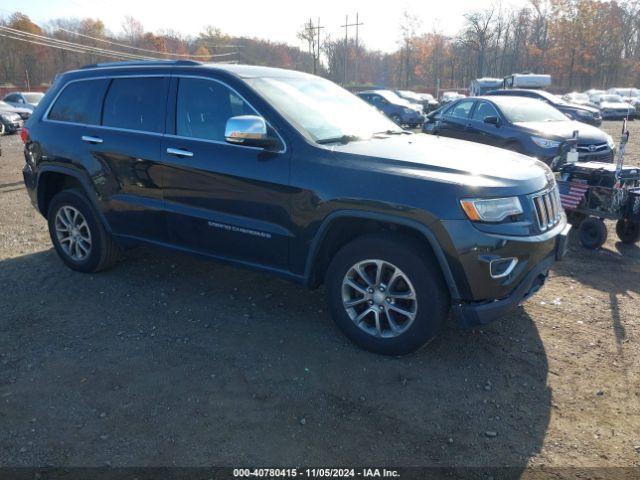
(611, 98)
(581, 97)
(526, 110)
(33, 97)
(627, 92)
(322, 109)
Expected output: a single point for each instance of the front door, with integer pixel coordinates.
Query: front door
(226, 200)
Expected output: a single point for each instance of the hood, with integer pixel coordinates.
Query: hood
(615, 105)
(581, 106)
(454, 161)
(564, 130)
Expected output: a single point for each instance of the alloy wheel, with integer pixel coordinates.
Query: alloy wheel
(73, 233)
(379, 298)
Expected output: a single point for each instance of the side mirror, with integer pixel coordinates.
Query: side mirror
(249, 130)
(492, 120)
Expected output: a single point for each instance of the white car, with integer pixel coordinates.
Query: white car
(613, 107)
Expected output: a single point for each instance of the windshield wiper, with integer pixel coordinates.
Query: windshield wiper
(394, 132)
(344, 139)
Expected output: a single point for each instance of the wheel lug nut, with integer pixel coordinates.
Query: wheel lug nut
(382, 289)
(370, 302)
(381, 307)
(370, 290)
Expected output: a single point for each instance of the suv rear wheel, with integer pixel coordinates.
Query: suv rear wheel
(386, 294)
(78, 235)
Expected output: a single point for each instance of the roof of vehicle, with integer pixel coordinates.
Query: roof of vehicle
(505, 99)
(488, 80)
(244, 71)
(515, 91)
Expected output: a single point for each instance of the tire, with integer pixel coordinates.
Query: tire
(628, 231)
(575, 218)
(396, 119)
(71, 207)
(593, 233)
(429, 306)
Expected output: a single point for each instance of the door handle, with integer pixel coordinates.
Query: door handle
(178, 152)
(89, 139)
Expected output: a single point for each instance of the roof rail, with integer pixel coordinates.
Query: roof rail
(134, 63)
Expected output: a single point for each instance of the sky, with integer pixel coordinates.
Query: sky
(275, 20)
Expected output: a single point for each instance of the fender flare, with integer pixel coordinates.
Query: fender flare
(419, 227)
(84, 182)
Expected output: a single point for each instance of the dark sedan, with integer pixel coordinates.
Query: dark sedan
(521, 124)
(581, 113)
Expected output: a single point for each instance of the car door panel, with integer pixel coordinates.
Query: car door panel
(221, 199)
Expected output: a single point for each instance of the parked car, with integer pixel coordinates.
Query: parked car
(24, 113)
(27, 100)
(480, 86)
(581, 113)
(289, 173)
(450, 97)
(613, 107)
(430, 101)
(397, 109)
(427, 103)
(577, 98)
(522, 124)
(629, 95)
(10, 118)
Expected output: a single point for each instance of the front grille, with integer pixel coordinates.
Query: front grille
(548, 209)
(593, 148)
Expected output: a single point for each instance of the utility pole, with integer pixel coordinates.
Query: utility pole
(346, 43)
(357, 49)
(316, 55)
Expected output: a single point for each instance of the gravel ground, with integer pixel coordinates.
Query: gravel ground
(170, 360)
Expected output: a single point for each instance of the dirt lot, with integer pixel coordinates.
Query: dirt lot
(169, 360)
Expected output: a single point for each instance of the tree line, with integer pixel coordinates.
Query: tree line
(581, 43)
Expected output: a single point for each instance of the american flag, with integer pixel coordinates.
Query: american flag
(571, 194)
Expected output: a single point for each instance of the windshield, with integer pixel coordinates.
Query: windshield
(322, 109)
(627, 92)
(578, 97)
(33, 98)
(611, 98)
(527, 110)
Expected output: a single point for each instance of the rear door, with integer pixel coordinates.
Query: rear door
(454, 120)
(223, 199)
(128, 146)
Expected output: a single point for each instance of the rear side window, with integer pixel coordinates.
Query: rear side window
(203, 108)
(135, 104)
(460, 109)
(80, 102)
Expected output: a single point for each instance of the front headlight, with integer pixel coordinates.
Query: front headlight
(491, 209)
(610, 142)
(584, 114)
(545, 143)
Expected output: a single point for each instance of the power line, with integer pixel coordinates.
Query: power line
(21, 33)
(147, 50)
(60, 47)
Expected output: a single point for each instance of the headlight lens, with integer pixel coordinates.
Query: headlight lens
(610, 141)
(491, 209)
(545, 143)
(584, 113)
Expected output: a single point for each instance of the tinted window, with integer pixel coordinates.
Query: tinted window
(135, 104)
(12, 98)
(484, 110)
(80, 102)
(203, 108)
(460, 109)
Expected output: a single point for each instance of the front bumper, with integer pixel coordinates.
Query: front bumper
(472, 314)
(12, 127)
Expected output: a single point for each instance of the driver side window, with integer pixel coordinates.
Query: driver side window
(460, 109)
(203, 108)
(483, 111)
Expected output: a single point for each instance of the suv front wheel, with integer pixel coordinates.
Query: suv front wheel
(387, 294)
(78, 235)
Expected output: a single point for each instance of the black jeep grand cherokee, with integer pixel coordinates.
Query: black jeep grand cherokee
(289, 173)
